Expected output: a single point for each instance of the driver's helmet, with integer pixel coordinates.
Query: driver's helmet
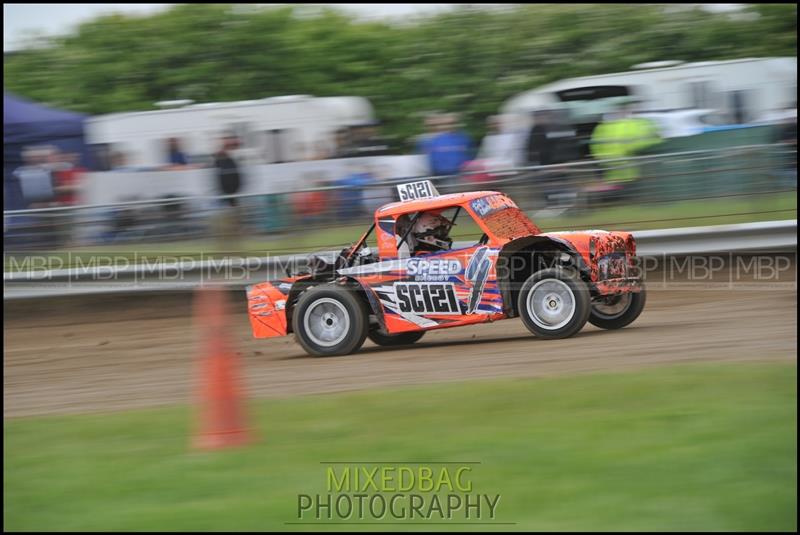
(431, 232)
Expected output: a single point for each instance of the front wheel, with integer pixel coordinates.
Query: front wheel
(400, 339)
(330, 320)
(554, 303)
(618, 311)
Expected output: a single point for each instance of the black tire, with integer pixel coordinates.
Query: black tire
(570, 308)
(400, 339)
(336, 308)
(617, 319)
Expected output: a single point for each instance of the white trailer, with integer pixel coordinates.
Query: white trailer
(272, 130)
(743, 90)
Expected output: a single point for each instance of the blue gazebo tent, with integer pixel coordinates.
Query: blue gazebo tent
(27, 124)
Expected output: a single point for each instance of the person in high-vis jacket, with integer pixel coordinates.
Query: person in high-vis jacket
(623, 137)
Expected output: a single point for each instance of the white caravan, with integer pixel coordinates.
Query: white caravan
(272, 130)
(743, 91)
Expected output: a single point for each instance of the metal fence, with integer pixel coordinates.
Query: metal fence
(577, 189)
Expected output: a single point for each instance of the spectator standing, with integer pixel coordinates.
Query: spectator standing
(448, 149)
(309, 206)
(68, 179)
(351, 196)
(367, 141)
(229, 180)
(175, 155)
(68, 176)
(552, 141)
(36, 178)
(498, 149)
(621, 136)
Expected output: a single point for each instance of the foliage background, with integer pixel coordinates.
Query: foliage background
(468, 60)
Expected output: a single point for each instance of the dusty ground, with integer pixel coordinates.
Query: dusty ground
(110, 353)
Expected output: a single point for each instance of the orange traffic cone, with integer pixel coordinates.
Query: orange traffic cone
(221, 402)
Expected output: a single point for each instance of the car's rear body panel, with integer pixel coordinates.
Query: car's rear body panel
(266, 307)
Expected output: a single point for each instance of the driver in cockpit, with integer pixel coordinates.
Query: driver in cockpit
(430, 234)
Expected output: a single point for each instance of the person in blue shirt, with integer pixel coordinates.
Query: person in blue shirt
(447, 148)
(351, 196)
(175, 154)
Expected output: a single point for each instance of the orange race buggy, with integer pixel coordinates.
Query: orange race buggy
(554, 281)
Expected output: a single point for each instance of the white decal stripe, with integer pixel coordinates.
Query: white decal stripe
(379, 267)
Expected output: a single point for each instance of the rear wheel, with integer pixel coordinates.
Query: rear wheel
(554, 303)
(330, 320)
(399, 339)
(618, 311)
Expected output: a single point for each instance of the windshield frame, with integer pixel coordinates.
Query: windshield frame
(359, 244)
(481, 221)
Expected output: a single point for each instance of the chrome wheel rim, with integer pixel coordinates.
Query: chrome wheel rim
(551, 304)
(326, 322)
(609, 309)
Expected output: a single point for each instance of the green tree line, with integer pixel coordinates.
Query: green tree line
(468, 60)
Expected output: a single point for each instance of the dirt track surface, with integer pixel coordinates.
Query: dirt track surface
(105, 354)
